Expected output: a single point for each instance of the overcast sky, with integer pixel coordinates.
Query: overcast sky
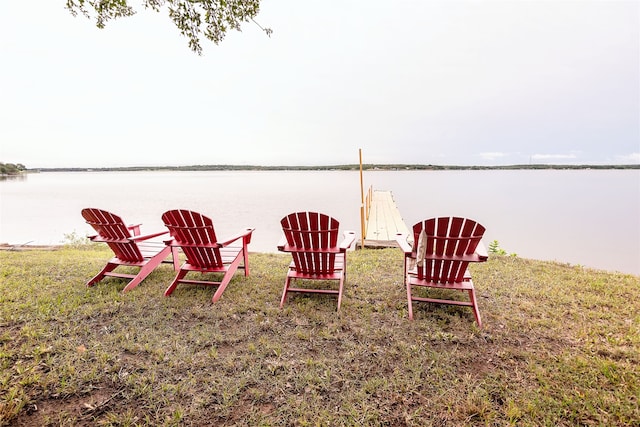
(430, 82)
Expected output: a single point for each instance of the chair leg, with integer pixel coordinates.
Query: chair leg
(340, 291)
(142, 274)
(409, 300)
(172, 286)
(245, 254)
(174, 257)
(222, 286)
(98, 277)
(287, 282)
(474, 302)
(228, 275)
(406, 261)
(146, 269)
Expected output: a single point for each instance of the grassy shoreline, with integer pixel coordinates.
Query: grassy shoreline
(560, 346)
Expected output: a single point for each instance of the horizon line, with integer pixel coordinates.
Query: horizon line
(343, 166)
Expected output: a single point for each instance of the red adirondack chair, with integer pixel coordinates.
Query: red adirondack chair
(312, 240)
(130, 248)
(195, 235)
(443, 248)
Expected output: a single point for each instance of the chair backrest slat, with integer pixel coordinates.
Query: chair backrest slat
(312, 236)
(449, 239)
(195, 234)
(114, 232)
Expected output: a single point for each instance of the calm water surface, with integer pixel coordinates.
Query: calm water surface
(586, 217)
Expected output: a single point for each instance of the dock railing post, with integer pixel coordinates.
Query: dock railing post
(362, 224)
(368, 203)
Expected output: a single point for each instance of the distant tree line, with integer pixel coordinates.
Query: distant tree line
(11, 169)
(351, 167)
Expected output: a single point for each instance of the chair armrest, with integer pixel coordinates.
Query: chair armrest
(134, 228)
(246, 233)
(295, 249)
(481, 251)
(349, 238)
(282, 243)
(147, 236)
(401, 239)
(98, 238)
(173, 243)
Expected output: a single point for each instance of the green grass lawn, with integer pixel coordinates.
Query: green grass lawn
(560, 346)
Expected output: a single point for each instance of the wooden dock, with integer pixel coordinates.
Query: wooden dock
(384, 221)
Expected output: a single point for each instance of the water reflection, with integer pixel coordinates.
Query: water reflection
(19, 177)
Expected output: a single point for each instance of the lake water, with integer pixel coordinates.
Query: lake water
(586, 217)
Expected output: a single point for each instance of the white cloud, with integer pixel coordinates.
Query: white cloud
(629, 158)
(493, 155)
(553, 156)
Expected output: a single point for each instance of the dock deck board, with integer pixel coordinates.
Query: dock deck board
(384, 221)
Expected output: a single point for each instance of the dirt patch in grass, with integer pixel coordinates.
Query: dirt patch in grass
(83, 410)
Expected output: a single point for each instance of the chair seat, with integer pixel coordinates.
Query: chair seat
(462, 286)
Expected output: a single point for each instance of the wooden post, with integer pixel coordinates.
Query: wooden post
(362, 226)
